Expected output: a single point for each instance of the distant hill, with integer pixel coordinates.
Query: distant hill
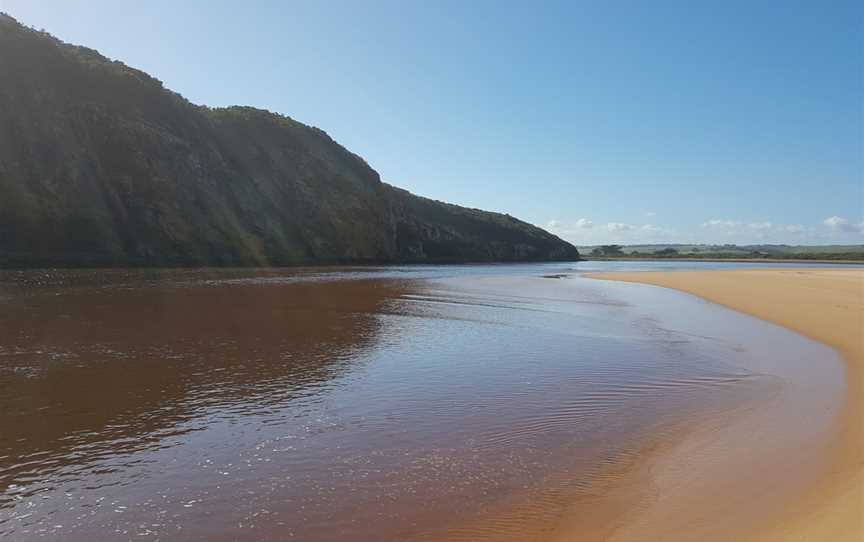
(101, 165)
(828, 252)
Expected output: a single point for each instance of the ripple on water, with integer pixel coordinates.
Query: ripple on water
(320, 406)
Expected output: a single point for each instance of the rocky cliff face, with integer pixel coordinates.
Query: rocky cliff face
(101, 165)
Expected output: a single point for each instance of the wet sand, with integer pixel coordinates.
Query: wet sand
(825, 305)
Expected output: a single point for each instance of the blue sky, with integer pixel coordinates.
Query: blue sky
(605, 121)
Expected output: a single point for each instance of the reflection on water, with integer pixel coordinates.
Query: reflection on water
(362, 404)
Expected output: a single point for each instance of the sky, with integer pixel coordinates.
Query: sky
(603, 121)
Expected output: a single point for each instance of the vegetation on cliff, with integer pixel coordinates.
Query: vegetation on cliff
(101, 165)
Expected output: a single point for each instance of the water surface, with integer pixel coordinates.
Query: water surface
(330, 404)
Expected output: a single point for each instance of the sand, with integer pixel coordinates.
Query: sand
(826, 305)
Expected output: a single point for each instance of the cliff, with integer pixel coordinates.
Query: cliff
(100, 165)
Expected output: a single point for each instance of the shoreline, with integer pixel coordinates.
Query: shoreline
(630, 496)
(730, 260)
(826, 306)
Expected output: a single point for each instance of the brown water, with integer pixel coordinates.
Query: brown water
(412, 403)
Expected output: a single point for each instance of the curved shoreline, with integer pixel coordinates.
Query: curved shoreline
(684, 477)
(824, 305)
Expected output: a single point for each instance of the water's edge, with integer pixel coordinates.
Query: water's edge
(771, 455)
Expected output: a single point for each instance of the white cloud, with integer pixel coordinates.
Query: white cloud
(796, 229)
(760, 226)
(720, 223)
(841, 224)
(616, 227)
(640, 233)
(834, 229)
(735, 226)
(651, 214)
(585, 232)
(581, 224)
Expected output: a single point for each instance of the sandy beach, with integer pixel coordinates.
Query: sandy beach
(824, 305)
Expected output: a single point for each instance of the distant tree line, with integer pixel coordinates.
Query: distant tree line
(608, 251)
(617, 252)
